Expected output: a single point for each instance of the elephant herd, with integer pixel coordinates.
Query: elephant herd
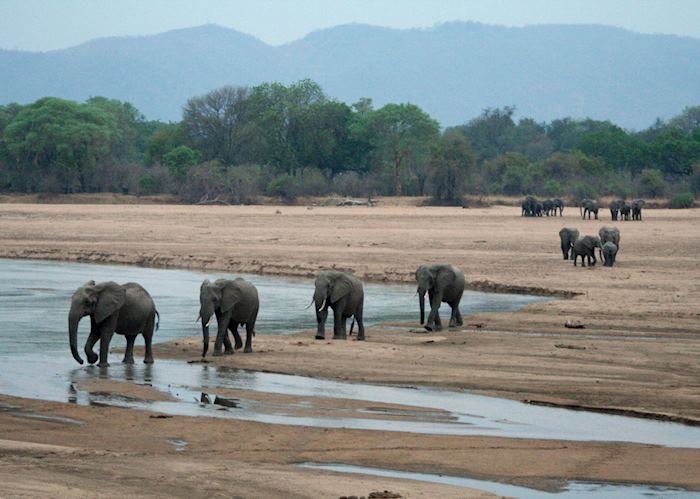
(622, 209)
(532, 207)
(129, 310)
(573, 246)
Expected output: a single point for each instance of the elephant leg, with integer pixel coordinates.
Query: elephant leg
(89, 344)
(360, 326)
(453, 316)
(457, 314)
(223, 322)
(148, 339)
(233, 327)
(338, 324)
(249, 333)
(129, 352)
(106, 332)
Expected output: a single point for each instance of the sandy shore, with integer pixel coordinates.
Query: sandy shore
(638, 352)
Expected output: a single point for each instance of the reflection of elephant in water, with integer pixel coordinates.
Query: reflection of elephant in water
(609, 254)
(611, 234)
(585, 248)
(344, 294)
(113, 308)
(444, 283)
(234, 302)
(568, 238)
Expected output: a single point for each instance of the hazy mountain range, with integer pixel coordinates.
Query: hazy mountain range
(453, 71)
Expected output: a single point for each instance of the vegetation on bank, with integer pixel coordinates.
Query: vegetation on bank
(236, 143)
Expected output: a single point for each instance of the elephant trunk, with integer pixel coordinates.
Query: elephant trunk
(73, 320)
(205, 314)
(321, 304)
(205, 338)
(421, 303)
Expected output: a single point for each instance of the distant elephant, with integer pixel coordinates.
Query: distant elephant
(615, 208)
(589, 206)
(443, 283)
(528, 206)
(558, 205)
(539, 208)
(609, 253)
(234, 302)
(625, 209)
(344, 294)
(637, 205)
(585, 248)
(548, 207)
(611, 234)
(568, 237)
(125, 309)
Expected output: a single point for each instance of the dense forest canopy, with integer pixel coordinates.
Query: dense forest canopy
(236, 143)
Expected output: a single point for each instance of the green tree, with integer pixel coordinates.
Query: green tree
(179, 161)
(491, 133)
(451, 164)
(401, 136)
(652, 183)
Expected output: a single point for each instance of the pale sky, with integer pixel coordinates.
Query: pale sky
(52, 24)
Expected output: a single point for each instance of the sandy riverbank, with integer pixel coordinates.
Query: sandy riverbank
(638, 351)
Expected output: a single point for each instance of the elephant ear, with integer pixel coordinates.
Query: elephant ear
(445, 277)
(110, 298)
(341, 287)
(230, 295)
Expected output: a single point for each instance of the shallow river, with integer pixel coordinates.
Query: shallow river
(35, 362)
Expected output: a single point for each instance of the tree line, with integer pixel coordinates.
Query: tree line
(237, 143)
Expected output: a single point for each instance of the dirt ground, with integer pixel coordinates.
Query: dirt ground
(638, 352)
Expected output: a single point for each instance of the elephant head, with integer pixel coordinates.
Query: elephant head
(96, 300)
(215, 296)
(329, 288)
(435, 278)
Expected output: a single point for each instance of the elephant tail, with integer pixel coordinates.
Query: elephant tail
(158, 321)
(352, 324)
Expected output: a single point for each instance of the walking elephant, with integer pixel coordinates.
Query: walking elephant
(625, 209)
(125, 309)
(609, 253)
(558, 205)
(568, 237)
(615, 208)
(233, 302)
(528, 206)
(588, 207)
(344, 294)
(611, 234)
(637, 205)
(443, 283)
(548, 207)
(585, 248)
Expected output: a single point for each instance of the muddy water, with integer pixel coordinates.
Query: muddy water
(570, 490)
(35, 363)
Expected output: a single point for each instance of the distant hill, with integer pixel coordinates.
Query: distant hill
(453, 71)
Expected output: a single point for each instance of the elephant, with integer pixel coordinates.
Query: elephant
(528, 206)
(234, 302)
(609, 234)
(637, 205)
(615, 208)
(444, 283)
(558, 205)
(568, 237)
(589, 206)
(125, 309)
(609, 253)
(585, 248)
(344, 294)
(548, 207)
(625, 209)
(539, 208)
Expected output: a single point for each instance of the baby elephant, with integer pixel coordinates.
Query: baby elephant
(609, 253)
(125, 309)
(568, 237)
(585, 248)
(444, 283)
(611, 234)
(234, 302)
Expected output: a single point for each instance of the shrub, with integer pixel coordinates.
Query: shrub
(552, 188)
(652, 183)
(285, 186)
(682, 200)
(148, 184)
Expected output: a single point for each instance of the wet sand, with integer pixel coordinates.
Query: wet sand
(638, 352)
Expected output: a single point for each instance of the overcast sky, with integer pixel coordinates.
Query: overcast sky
(52, 24)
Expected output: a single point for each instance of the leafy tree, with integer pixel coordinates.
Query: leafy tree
(451, 163)
(165, 138)
(491, 133)
(616, 148)
(652, 183)
(179, 161)
(687, 121)
(401, 136)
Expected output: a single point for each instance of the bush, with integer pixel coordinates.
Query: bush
(148, 184)
(552, 188)
(285, 186)
(652, 183)
(682, 200)
(695, 179)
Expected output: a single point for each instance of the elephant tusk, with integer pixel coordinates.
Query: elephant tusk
(208, 322)
(322, 305)
(198, 317)
(310, 303)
